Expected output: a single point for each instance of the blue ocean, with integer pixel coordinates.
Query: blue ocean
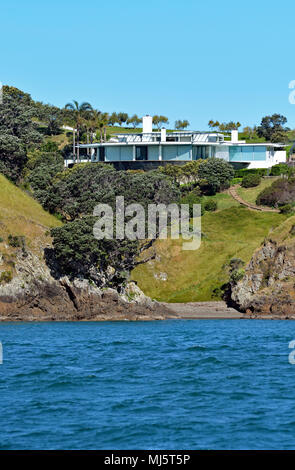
(176, 384)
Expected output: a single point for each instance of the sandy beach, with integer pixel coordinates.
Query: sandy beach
(205, 310)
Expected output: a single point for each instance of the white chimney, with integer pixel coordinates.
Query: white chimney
(147, 124)
(163, 134)
(234, 136)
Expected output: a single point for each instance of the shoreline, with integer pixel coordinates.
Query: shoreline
(203, 310)
(207, 310)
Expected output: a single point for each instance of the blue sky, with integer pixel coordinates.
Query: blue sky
(185, 59)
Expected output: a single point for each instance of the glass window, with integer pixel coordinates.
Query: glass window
(101, 154)
(141, 152)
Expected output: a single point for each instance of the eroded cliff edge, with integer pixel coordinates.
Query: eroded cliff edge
(34, 295)
(268, 285)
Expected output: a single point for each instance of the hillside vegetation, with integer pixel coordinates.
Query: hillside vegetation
(194, 276)
(22, 216)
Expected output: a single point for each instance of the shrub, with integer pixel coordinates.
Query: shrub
(286, 209)
(78, 253)
(280, 193)
(216, 174)
(280, 169)
(5, 277)
(250, 181)
(237, 275)
(1, 240)
(250, 171)
(191, 199)
(16, 241)
(210, 205)
(235, 181)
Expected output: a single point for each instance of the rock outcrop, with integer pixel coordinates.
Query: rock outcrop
(268, 286)
(35, 295)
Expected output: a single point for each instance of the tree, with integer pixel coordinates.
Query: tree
(249, 132)
(134, 120)
(104, 120)
(75, 193)
(181, 124)
(113, 119)
(78, 113)
(159, 121)
(42, 166)
(94, 124)
(213, 124)
(216, 174)
(16, 116)
(18, 131)
(122, 117)
(12, 156)
(271, 125)
(50, 115)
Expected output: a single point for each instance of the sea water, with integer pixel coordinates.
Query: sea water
(175, 384)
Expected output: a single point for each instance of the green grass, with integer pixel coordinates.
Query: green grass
(250, 194)
(22, 215)
(224, 201)
(192, 275)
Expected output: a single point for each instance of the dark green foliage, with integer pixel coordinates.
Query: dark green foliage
(281, 192)
(17, 131)
(18, 241)
(280, 169)
(250, 181)
(15, 240)
(42, 167)
(191, 199)
(250, 171)
(272, 128)
(77, 191)
(78, 253)
(51, 116)
(16, 113)
(12, 156)
(236, 271)
(210, 205)
(286, 209)
(216, 175)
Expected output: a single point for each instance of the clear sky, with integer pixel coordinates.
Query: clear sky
(186, 59)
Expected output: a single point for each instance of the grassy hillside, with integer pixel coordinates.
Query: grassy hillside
(250, 194)
(20, 215)
(193, 275)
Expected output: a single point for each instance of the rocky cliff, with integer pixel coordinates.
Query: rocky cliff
(34, 295)
(268, 286)
(30, 290)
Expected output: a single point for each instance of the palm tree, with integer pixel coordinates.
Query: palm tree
(79, 111)
(104, 120)
(94, 123)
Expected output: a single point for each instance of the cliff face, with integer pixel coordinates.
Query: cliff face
(28, 291)
(34, 295)
(268, 286)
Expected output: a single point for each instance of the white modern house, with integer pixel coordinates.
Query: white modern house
(149, 149)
